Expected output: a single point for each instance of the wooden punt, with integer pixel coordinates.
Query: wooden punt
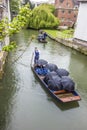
(42, 41)
(61, 95)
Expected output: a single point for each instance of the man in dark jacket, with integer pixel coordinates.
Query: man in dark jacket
(36, 55)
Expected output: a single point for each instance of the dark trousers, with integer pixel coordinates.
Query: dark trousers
(36, 59)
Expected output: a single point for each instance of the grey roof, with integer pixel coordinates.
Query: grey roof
(82, 0)
(75, 2)
(61, 1)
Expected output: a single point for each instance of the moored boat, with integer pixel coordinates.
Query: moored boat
(63, 96)
(42, 41)
(42, 37)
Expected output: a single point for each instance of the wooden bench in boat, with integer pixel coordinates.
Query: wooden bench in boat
(66, 96)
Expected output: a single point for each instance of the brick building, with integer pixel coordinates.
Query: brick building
(66, 11)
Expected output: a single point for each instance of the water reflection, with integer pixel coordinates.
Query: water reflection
(67, 106)
(79, 73)
(25, 104)
(7, 91)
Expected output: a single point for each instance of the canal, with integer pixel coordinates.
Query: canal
(24, 104)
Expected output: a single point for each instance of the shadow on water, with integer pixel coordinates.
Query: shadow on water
(66, 106)
(7, 91)
(22, 95)
(62, 106)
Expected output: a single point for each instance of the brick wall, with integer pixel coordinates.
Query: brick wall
(66, 12)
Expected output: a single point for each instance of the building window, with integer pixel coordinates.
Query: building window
(76, 7)
(69, 11)
(63, 11)
(62, 19)
(61, 1)
(68, 5)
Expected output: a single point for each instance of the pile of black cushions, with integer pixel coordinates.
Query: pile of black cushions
(62, 72)
(58, 78)
(53, 81)
(67, 83)
(49, 76)
(55, 84)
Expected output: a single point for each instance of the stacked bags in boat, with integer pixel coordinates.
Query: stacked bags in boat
(41, 68)
(56, 78)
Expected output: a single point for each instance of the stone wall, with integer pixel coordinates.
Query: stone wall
(79, 46)
(3, 56)
(5, 12)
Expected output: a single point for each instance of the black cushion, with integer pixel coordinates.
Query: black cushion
(62, 72)
(52, 67)
(67, 83)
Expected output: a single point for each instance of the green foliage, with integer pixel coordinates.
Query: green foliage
(21, 20)
(30, 3)
(50, 7)
(14, 6)
(42, 17)
(69, 31)
(3, 28)
(10, 47)
(60, 34)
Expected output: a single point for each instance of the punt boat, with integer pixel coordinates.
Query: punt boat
(60, 95)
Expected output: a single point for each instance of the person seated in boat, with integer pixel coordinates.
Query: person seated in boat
(44, 35)
(40, 36)
(36, 55)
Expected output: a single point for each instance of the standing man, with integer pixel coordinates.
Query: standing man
(36, 55)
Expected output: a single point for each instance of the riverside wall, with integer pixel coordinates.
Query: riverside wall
(3, 56)
(5, 12)
(78, 45)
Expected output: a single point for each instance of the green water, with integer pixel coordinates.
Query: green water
(25, 105)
